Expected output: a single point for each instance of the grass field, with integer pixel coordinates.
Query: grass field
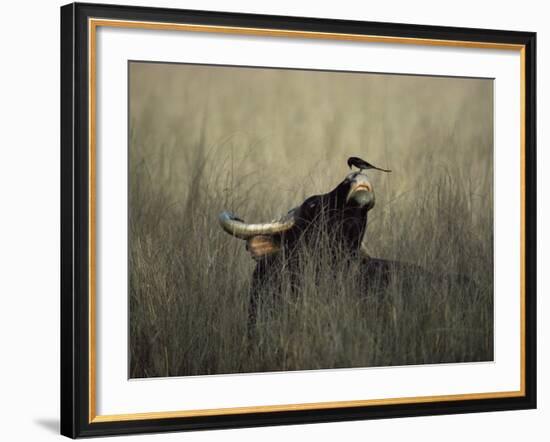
(258, 142)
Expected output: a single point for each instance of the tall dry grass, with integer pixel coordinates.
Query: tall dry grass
(258, 142)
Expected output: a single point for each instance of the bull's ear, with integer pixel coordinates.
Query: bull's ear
(262, 246)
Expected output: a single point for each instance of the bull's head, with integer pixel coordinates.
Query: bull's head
(342, 211)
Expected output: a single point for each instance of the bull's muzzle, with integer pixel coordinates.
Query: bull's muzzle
(361, 193)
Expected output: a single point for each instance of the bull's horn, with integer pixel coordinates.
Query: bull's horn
(237, 227)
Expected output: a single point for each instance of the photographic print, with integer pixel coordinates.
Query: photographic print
(285, 219)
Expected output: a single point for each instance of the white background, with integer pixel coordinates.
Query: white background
(29, 221)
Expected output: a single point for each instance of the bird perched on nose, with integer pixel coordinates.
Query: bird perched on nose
(363, 165)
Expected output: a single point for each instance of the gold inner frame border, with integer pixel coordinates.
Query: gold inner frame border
(93, 24)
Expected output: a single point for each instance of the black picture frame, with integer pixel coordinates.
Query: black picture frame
(75, 220)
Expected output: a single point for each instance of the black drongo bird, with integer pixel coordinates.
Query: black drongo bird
(362, 164)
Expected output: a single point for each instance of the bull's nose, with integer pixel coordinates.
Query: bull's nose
(362, 186)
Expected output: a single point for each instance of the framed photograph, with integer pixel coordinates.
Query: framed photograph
(274, 220)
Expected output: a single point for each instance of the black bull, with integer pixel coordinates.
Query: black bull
(337, 219)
